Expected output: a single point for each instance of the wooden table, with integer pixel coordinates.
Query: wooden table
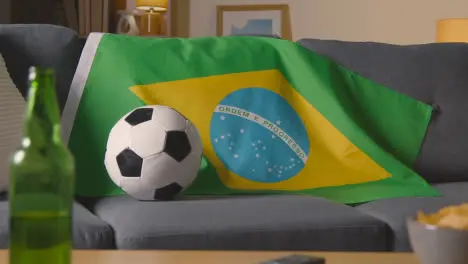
(222, 257)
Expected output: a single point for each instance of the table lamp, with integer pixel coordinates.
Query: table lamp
(452, 30)
(156, 11)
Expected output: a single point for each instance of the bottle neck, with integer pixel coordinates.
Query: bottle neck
(42, 120)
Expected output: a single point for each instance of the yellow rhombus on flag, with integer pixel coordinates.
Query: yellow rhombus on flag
(329, 158)
(273, 116)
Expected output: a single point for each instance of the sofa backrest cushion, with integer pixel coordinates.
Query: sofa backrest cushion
(52, 46)
(434, 73)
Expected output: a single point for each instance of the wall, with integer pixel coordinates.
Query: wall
(391, 21)
(131, 4)
(4, 11)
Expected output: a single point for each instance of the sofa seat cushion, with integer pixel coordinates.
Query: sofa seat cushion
(395, 212)
(240, 223)
(89, 232)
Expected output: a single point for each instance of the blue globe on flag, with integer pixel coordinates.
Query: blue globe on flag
(259, 136)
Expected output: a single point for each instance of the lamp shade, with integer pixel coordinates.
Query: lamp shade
(155, 5)
(452, 30)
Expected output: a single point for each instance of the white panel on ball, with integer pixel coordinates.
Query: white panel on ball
(147, 139)
(188, 170)
(137, 189)
(118, 138)
(194, 138)
(159, 170)
(169, 118)
(112, 168)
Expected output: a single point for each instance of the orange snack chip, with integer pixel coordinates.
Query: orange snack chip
(455, 217)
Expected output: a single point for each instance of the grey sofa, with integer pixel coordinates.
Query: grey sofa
(434, 73)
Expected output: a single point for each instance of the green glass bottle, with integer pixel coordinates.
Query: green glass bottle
(41, 181)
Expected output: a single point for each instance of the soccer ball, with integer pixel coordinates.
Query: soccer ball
(153, 153)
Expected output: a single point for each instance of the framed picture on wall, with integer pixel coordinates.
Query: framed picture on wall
(254, 19)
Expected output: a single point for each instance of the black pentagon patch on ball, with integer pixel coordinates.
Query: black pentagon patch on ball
(129, 163)
(139, 116)
(168, 192)
(177, 145)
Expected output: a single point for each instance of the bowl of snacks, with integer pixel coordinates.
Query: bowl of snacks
(440, 237)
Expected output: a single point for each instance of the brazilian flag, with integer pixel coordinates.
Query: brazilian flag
(273, 117)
